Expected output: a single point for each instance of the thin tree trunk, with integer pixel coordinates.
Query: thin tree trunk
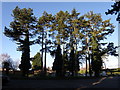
(86, 66)
(45, 60)
(42, 50)
(90, 71)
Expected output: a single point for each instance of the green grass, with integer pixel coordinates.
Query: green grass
(82, 71)
(37, 76)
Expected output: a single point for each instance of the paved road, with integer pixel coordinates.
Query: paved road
(105, 82)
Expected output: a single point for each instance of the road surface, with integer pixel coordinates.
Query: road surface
(105, 82)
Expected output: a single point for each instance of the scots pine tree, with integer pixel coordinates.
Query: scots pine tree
(22, 30)
(43, 26)
(97, 31)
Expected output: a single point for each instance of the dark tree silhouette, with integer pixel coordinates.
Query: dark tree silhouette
(67, 30)
(115, 10)
(58, 62)
(65, 62)
(112, 49)
(21, 30)
(73, 62)
(6, 66)
(43, 26)
(96, 31)
(96, 62)
(37, 62)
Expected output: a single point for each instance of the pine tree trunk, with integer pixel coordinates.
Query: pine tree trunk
(86, 66)
(90, 71)
(42, 50)
(45, 60)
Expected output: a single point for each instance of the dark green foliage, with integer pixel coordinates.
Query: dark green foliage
(96, 31)
(112, 49)
(25, 64)
(79, 35)
(22, 29)
(74, 27)
(43, 26)
(58, 62)
(115, 10)
(97, 56)
(65, 61)
(73, 62)
(36, 62)
(59, 29)
(96, 62)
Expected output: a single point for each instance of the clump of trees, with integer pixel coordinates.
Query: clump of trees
(77, 35)
(7, 63)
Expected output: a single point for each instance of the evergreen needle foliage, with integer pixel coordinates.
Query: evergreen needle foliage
(77, 35)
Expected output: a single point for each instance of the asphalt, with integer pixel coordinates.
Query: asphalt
(105, 82)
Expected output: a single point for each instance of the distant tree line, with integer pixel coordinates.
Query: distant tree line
(79, 36)
(7, 63)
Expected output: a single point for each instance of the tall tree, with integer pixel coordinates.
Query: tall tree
(97, 31)
(59, 34)
(22, 30)
(43, 26)
(74, 28)
(66, 30)
(74, 31)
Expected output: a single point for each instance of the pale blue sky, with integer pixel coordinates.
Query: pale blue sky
(9, 46)
(58, 0)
